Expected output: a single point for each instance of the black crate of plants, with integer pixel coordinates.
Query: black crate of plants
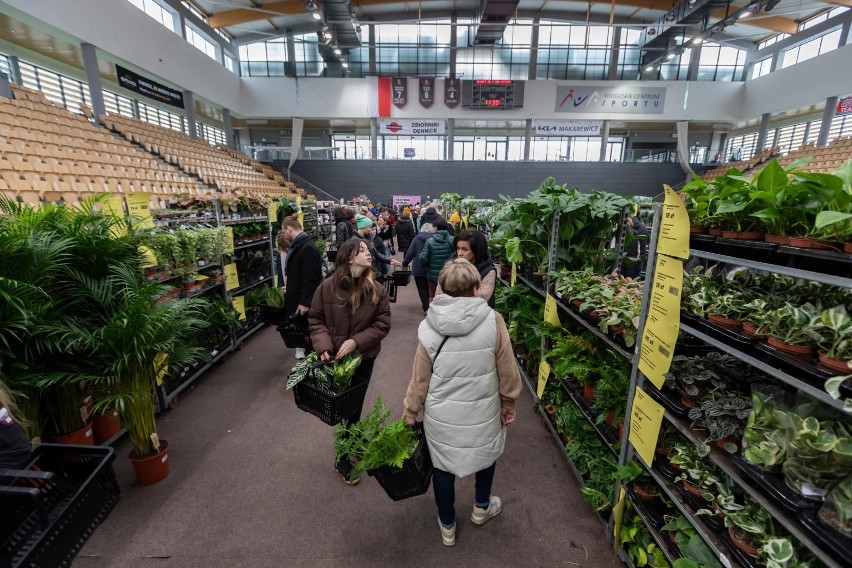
(323, 388)
(415, 475)
(52, 506)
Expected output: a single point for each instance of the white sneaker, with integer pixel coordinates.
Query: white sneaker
(300, 353)
(448, 536)
(481, 516)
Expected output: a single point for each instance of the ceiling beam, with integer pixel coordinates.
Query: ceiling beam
(245, 15)
(759, 20)
(847, 3)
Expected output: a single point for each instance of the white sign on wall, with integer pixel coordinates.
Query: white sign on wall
(611, 100)
(411, 127)
(566, 128)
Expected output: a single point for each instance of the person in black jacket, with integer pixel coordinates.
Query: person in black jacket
(343, 228)
(404, 231)
(367, 231)
(430, 216)
(15, 449)
(303, 268)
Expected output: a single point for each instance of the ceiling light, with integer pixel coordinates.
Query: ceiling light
(337, 51)
(316, 15)
(670, 56)
(649, 68)
(327, 35)
(697, 40)
(345, 65)
(692, 3)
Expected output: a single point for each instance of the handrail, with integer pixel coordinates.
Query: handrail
(305, 184)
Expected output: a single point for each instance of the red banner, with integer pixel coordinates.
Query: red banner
(844, 106)
(384, 97)
(427, 91)
(400, 91)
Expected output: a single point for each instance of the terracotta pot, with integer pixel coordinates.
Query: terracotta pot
(642, 494)
(621, 430)
(610, 418)
(801, 242)
(713, 232)
(616, 328)
(592, 314)
(777, 239)
(695, 230)
(835, 364)
(82, 437)
(662, 452)
(687, 402)
(152, 469)
(693, 490)
(743, 546)
(847, 247)
(105, 426)
(588, 391)
(751, 330)
(721, 443)
(725, 322)
(822, 244)
(795, 350)
(576, 304)
(743, 235)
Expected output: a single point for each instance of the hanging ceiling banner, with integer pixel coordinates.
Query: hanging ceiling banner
(611, 100)
(566, 128)
(145, 86)
(452, 92)
(400, 91)
(844, 106)
(427, 91)
(411, 127)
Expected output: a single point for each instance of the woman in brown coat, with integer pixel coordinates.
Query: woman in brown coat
(350, 310)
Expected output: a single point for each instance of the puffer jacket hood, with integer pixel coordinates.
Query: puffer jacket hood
(455, 317)
(435, 254)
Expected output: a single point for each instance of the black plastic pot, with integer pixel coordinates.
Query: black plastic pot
(838, 545)
(773, 484)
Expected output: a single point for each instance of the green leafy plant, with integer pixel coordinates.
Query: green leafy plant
(835, 333)
(273, 296)
(796, 325)
(696, 553)
(639, 544)
(764, 437)
(332, 377)
(723, 415)
(819, 452)
(837, 509)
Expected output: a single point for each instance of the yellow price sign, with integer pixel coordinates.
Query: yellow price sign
(513, 279)
(232, 281)
(115, 204)
(273, 212)
(646, 417)
(657, 348)
(139, 205)
(229, 244)
(239, 304)
(543, 375)
(617, 515)
(667, 289)
(148, 258)
(160, 367)
(551, 312)
(674, 227)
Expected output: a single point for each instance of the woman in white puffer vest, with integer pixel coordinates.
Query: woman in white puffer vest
(465, 380)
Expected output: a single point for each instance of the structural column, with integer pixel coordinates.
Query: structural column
(454, 41)
(527, 140)
(694, 60)
(604, 140)
(761, 135)
(371, 51)
(229, 130)
(451, 138)
(291, 54)
(5, 87)
(189, 109)
(827, 117)
(533, 68)
(134, 107)
(612, 71)
(374, 138)
(15, 70)
(93, 77)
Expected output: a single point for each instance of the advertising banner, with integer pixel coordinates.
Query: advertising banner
(144, 86)
(400, 91)
(566, 128)
(401, 201)
(411, 127)
(844, 106)
(427, 91)
(611, 100)
(452, 92)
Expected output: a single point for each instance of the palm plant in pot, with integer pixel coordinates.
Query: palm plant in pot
(127, 341)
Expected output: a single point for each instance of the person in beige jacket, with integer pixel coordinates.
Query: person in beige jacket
(466, 381)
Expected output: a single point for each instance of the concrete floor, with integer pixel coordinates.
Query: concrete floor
(251, 484)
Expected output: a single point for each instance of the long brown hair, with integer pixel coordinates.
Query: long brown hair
(343, 281)
(7, 403)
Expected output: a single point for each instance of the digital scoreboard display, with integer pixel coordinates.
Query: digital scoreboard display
(492, 94)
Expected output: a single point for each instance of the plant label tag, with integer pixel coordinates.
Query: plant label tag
(514, 277)
(139, 206)
(551, 314)
(229, 242)
(164, 458)
(646, 417)
(543, 375)
(239, 304)
(273, 212)
(160, 367)
(674, 227)
(617, 515)
(656, 348)
(155, 439)
(89, 433)
(666, 292)
(232, 281)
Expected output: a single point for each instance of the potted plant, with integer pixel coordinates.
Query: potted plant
(836, 510)
(793, 329)
(722, 413)
(696, 553)
(765, 437)
(819, 453)
(835, 339)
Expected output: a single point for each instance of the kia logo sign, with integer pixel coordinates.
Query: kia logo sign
(547, 129)
(394, 127)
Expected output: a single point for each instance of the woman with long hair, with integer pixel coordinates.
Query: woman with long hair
(14, 447)
(343, 229)
(472, 246)
(350, 311)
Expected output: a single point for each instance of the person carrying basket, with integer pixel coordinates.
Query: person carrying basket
(350, 311)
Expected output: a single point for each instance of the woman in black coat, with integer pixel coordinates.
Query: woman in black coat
(343, 229)
(404, 231)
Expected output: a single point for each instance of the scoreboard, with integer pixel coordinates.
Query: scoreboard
(498, 94)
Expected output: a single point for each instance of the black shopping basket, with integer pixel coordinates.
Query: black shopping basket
(51, 507)
(401, 277)
(413, 478)
(390, 287)
(330, 408)
(272, 316)
(294, 336)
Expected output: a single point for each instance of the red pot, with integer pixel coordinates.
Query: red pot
(588, 391)
(152, 469)
(847, 247)
(819, 244)
(835, 364)
(105, 426)
(743, 235)
(725, 322)
(693, 490)
(576, 304)
(642, 494)
(695, 230)
(689, 403)
(795, 350)
(750, 330)
(777, 239)
(743, 546)
(82, 437)
(621, 430)
(721, 443)
(713, 232)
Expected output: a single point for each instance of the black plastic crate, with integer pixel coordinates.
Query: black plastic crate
(294, 337)
(272, 316)
(401, 277)
(329, 408)
(51, 507)
(413, 478)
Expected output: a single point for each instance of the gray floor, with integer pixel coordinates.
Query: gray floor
(251, 484)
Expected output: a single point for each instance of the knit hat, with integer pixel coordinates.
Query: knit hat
(362, 222)
(406, 211)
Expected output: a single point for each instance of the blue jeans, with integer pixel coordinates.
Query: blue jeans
(445, 492)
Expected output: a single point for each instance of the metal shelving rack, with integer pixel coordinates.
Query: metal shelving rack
(716, 456)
